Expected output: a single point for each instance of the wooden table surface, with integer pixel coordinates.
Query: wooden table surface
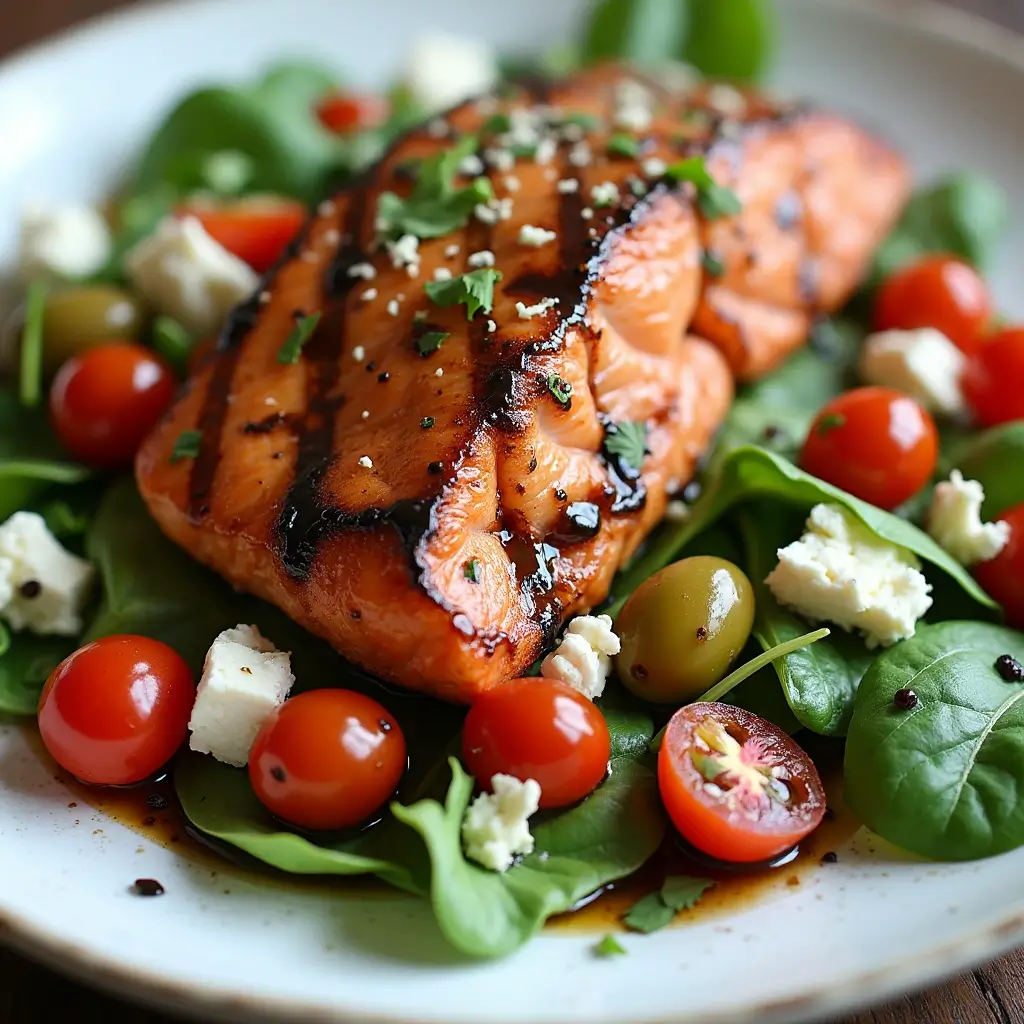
(989, 995)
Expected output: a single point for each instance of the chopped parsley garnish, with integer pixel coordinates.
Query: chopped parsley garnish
(653, 912)
(561, 390)
(627, 441)
(475, 290)
(624, 145)
(497, 124)
(830, 422)
(715, 201)
(172, 341)
(712, 264)
(305, 325)
(187, 446)
(588, 122)
(436, 207)
(427, 422)
(471, 570)
(430, 342)
(609, 946)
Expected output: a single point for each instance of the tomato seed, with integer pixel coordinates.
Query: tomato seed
(905, 700)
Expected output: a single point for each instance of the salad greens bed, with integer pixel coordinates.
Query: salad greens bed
(946, 783)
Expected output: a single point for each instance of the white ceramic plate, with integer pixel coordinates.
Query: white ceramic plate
(71, 114)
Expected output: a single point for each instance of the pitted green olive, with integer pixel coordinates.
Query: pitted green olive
(78, 318)
(682, 628)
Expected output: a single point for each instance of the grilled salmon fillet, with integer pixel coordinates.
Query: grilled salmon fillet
(435, 494)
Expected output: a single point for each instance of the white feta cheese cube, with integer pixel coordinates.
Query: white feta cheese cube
(444, 70)
(839, 572)
(496, 827)
(583, 658)
(245, 679)
(43, 587)
(954, 520)
(62, 242)
(186, 274)
(924, 363)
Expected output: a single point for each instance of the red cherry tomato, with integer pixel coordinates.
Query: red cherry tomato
(993, 380)
(538, 729)
(327, 759)
(116, 710)
(1003, 576)
(937, 291)
(105, 401)
(736, 786)
(349, 112)
(878, 444)
(257, 229)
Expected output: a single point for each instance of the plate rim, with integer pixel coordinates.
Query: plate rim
(125, 979)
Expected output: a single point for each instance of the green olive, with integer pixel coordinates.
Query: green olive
(682, 628)
(79, 318)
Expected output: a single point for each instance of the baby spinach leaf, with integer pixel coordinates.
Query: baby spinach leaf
(487, 914)
(26, 662)
(649, 914)
(944, 779)
(641, 31)
(682, 892)
(755, 475)
(996, 458)
(730, 38)
(965, 214)
(609, 946)
(763, 695)
(819, 681)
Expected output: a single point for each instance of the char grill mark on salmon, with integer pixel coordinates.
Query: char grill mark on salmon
(438, 514)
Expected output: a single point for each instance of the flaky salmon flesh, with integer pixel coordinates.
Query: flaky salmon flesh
(436, 494)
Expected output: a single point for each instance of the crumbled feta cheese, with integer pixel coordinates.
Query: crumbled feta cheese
(368, 295)
(245, 679)
(496, 827)
(724, 99)
(512, 183)
(452, 250)
(634, 106)
(568, 185)
(580, 155)
(654, 167)
(499, 158)
(438, 128)
(184, 273)
(366, 462)
(405, 253)
(840, 572)
(471, 166)
(538, 309)
(491, 326)
(442, 274)
(365, 414)
(444, 70)
(392, 307)
(482, 258)
(583, 658)
(359, 353)
(62, 242)
(535, 237)
(605, 194)
(924, 363)
(439, 372)
(546, 150)
(43, 587)
(954, 520)
(586, 213)
(326, 208)
(676, 511)
(332, 238)
(485, 214)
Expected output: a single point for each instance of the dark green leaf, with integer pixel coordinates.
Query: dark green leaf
(712, 265)
(26, 661)
(561, 390)
(173, 342)
(428, 343)
(427, 422)
(64, 519)
(303, 330)
(693, 169)
(640, 31)
(623, 145)
(649, 914)
(829, 423)
(475, 290)
(996, 459)
(627, 441)
(186, 446)
(497, 124)
(682, 892)
(730, 38)
(946, 779)
(716, 201)
(471, 570)
(609, 946)
(31, 361)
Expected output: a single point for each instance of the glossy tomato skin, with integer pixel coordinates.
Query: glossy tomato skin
(116, 710)
(1003, 576)
(105, 401)
(327, 759)
(745, 830)
(257, 230)
(993, 380)
(344, 112)
(542, 729)
(878, 444)
(936, 291)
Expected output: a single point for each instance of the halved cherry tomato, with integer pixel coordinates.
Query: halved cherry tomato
(1003, 576)
(116, 710)
(256, 229)
(345, 112)
(105, 401)
(542, 729)
(736, 786)
(937, 291)
(327, 759)
(877, 443)
(993, 380)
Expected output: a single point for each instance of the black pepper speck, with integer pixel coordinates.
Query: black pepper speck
(278, 773)
(148, 887)
(1010, 668)
(30, 589)
(702, 633)
(383, 377)
(434, 468)
(905, 700)
(830, 858)
(157, 801)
